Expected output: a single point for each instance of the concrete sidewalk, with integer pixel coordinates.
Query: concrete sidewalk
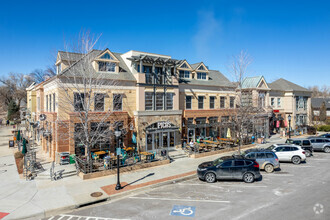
(42, 197)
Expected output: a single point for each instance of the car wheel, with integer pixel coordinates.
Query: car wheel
(296, 160)
(327, 149)
(308, 153)
(210, 177)
(248, 178)
(269, 168)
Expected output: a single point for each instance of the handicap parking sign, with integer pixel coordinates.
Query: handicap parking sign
(181, 210)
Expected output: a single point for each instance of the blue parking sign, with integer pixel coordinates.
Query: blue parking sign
(181, 210)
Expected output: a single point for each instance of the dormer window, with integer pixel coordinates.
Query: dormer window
(201, 75)
(201, 68)
(107, 66)
(106, 56)
(184, 66)
(184, 74)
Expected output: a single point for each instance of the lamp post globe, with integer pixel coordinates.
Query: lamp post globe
(118, 134)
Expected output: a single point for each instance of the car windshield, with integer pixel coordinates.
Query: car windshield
(217, 161)
(271, 147)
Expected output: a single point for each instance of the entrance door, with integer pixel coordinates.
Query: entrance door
(191, 134)
(165, 140)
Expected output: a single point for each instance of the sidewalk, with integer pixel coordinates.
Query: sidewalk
(42, 197)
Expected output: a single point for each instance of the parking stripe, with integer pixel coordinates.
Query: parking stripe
(67, 217)
(185, 200)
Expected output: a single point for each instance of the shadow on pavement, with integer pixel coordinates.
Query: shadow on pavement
(150, 174)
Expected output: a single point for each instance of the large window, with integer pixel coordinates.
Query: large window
(201, 75)
(50, 102)
(188, 102)
(107, 66)
(79, 100)
(46, 102)
(99, 132)
(184, 74)
(149, 101)
(117, 102)
(278, 102)
(200, 102)
(99, 102)
(222, 102)
(272, 102)
(159, 101)
(232, 102)
(212, 98)
(169, 101)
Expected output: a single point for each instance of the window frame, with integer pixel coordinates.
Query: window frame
(231, 102)
(96, 103)
(222, 98)
(201, 75)
(186, 102)
(201, 103)
(212, 103)
(115, 102)
(107, 66)
(81, 102)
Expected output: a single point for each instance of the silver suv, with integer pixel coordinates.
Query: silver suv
(266, 159)
(320, 144)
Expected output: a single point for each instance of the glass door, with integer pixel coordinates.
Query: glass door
(165, 139)
(191, 135)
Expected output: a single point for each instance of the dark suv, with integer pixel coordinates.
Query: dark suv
(229, 168)
(266, 159)
(304, 143)
(327, 135)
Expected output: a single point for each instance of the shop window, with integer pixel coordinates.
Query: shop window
(117, 102)
(99, 102)
(188, 102)
(212, 98)
(200, 102)
(222, 102)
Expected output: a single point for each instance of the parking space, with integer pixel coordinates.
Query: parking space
(295, 192)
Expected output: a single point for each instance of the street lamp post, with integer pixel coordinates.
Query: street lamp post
(289, 118)
(117, 134)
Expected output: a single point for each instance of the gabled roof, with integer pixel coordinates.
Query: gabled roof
(216, 78)
(77, 69)
(285, 85)
(184, 62)
(317, 102)
(195, 66)
(68, 56)
(254, 82)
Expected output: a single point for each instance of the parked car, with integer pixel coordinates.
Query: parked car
(229, 168)
(288, 153)
(304, 143)
(320, 144)
(327, 135)
(266, 159)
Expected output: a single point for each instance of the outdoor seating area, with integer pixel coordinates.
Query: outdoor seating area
(106, 160)
(207, 145)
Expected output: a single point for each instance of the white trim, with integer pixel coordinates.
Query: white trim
(185, 200)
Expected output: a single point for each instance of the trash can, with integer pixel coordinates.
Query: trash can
(72, 158)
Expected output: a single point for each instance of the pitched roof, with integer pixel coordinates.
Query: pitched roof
(195, 65)
(317, 102)
(216, 78)
(69, 56)
(77, 68)
(251, 82)
(285, 85)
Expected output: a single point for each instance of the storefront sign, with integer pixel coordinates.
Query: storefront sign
(275, 111)
(163, 124)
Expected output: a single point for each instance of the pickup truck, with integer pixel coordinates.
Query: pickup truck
(304, 143)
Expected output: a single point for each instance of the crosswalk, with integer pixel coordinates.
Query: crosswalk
(79, 217)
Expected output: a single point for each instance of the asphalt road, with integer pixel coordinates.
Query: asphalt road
(295, 192)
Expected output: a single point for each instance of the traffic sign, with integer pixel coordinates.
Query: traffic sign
(181, 210)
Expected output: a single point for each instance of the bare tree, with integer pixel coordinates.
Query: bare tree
(84, 106)
(320, 92)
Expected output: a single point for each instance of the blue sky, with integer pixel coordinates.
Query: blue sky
(288, 39)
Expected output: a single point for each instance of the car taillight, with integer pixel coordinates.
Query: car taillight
(303, 152)
(256, 164)
(276, 159)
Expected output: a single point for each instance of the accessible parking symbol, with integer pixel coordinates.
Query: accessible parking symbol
(181, 210)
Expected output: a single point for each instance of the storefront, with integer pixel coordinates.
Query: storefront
(161, 135)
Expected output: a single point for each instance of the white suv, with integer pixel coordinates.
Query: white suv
(293, 153)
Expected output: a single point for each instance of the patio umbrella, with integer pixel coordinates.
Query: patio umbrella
(24, 150)
(228, 133)
(18, 137)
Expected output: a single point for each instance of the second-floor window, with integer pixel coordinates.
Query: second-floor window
(79, 101)
(117, 102)
(50, 102)
(54, 106)
(99, 102)
(46, 102)
(232, 102)
(169, 101)
(149, 101)
(278, 102)
(107, 66)
(212, 98)
(200, 102)
(222, 102)
(188, 102)
(201, 75)
(159, 101)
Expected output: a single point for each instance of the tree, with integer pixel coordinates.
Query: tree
(13, 110)
(323, 112)
(81, 92)
(39, 75)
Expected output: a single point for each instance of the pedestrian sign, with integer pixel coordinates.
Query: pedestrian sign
(181, 210)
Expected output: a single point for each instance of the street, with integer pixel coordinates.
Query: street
(294, 192)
